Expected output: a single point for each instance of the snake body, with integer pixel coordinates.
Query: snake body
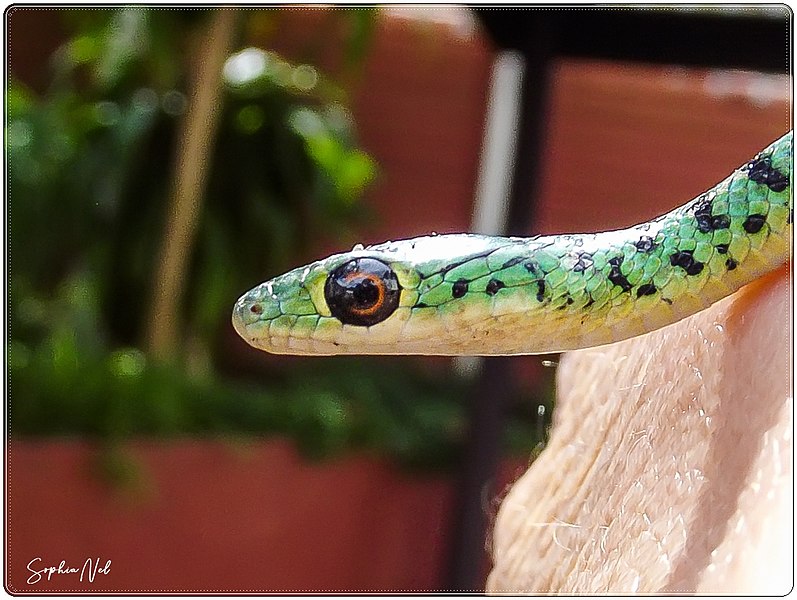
(481, 295)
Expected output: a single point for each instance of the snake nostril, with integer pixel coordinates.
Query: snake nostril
(256, 309)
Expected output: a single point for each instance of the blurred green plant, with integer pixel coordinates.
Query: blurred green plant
(88, 177)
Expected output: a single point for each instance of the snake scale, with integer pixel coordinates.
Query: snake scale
(466, 294)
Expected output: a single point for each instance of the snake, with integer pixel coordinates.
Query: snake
(471, 294)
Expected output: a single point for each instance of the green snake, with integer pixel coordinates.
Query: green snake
(467, 294)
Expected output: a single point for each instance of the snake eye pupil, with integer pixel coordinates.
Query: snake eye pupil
(366, 294)
(362, 291)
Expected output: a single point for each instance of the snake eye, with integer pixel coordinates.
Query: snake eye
(363, 291)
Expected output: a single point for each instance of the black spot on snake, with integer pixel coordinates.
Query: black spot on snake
(758, 168)
(645, 244)
(666, 300)
(703, 223)
(493, 286)
(616, 276)
(761, 171)
(722, 248)
(512, 262)
(646, 289)
(583, 262)
(685, 260)
(707, 222)
(460, 288)
(703, 214)
(540, 290)
(720, 222)
(777, 181)
(731, 264)
(754, 223)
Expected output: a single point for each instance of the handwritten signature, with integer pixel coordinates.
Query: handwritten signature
(90, 569)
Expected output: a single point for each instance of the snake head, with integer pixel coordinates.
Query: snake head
(305, 311)
(375, 300)
(316, 309)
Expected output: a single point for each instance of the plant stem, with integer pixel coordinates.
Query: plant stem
(194, 145)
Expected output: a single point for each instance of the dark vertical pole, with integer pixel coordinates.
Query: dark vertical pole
(490, 395)
(493, 389)
(536, 83)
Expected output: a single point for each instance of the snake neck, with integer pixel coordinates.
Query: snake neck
(563, 292)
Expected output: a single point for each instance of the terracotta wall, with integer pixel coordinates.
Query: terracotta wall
(626, 143)
(222, 516)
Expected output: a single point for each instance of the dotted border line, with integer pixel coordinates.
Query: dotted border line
(7, 30)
